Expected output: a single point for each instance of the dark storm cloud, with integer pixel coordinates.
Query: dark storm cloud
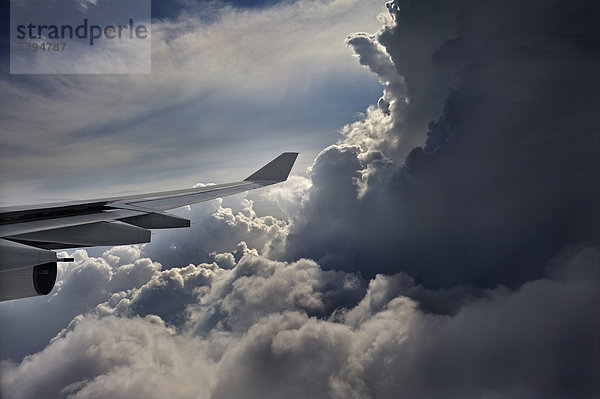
(507, 175)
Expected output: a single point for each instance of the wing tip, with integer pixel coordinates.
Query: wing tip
(277, 170)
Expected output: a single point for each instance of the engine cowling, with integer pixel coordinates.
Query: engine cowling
(28, 281)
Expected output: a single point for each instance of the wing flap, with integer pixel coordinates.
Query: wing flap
(8, 230)
(91, 234)
(157, 221)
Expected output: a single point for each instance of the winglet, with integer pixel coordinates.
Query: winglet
(276, 170)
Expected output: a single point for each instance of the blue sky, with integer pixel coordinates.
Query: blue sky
(225, 107)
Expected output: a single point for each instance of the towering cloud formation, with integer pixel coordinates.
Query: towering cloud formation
(503, 98)
(445, 247)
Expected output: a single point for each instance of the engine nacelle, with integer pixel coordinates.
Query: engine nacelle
(28, 281)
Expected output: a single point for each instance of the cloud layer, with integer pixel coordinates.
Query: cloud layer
(262, 328)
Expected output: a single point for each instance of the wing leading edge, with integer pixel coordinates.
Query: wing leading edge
(28, 234)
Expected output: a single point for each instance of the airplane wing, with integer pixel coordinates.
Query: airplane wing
(28, 234)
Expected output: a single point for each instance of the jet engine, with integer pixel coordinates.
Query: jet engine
(28, 281)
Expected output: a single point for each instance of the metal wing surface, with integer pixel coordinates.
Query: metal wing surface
(28, 234)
